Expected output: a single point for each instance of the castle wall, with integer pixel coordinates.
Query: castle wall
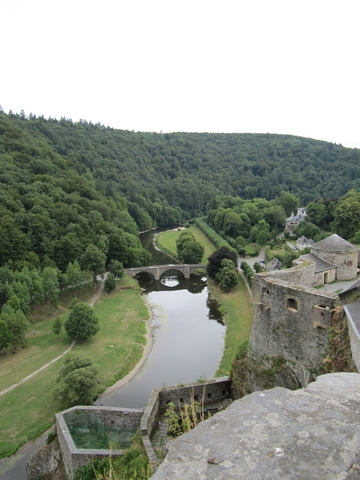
(73, 457)
(291, 321)
(352, 312)
(302, 274)
(326, 276)
(346, 262)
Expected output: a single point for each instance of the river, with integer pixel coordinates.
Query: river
(188, 337)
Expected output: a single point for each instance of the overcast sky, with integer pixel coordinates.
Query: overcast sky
(278, 66)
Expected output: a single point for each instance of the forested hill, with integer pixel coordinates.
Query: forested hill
(164, 177)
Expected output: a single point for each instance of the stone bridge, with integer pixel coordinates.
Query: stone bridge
(158, 270)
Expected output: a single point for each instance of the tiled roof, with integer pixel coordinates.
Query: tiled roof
(320, 265)
(334, 243)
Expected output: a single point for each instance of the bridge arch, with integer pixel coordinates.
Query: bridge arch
(158, 270)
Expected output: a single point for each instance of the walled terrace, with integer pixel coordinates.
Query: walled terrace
(213, 395)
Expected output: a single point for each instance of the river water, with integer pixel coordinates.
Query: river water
(188, 339)
(188, 342)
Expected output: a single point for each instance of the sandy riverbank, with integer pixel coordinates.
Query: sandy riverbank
(149, 337)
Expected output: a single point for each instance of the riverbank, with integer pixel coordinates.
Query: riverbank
(149, 338)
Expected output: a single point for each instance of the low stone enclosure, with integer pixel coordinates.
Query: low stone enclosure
(83, 420)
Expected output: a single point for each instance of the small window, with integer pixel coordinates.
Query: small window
(292, 304)
(209, 395)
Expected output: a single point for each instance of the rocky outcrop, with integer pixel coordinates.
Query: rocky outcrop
(276, 434)
(45, 463)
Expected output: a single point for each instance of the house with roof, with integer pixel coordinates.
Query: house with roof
(303, 242)
(274, 264)
(334, 259)
(294, 221)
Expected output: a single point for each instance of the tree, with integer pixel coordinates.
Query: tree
(82, 323)
(94, 261)
(233, 224)
(289, 202)
(75, 275)
(262, 232)
(50, 285)
(192, 253)
(77, 382)
(347, 216)
(16, 324)
(110, 283)
(184, 239)
(117, 268)
(215, 259)
(6, 336)
(227, 276)
(188, 249)
(57, 326)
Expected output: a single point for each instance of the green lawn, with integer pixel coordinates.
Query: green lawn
(239, 316)
(28, 410)
(167, 241)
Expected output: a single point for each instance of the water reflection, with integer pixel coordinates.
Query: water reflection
(170, 281)
(187, 346)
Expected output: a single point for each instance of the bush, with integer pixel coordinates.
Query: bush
(110, 283)
(82, 322)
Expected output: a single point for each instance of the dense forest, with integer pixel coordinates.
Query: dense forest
(65, 186)
(172, 176)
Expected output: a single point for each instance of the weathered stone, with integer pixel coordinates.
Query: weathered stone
(44, 462)
(276, 434)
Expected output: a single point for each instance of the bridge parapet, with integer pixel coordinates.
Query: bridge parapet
(158, 270)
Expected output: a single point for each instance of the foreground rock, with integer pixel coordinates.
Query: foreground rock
(276, 434)
(46, 463)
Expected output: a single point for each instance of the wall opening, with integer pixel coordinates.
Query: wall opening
(326, 277)
(292, 304)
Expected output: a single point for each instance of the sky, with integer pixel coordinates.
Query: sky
(258, 66)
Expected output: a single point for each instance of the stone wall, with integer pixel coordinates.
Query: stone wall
(326, 276)
(354, 339)
(311, 433)
(346, 262)
(291, 321)
(213, 392)
(302, 273)
(74, 458)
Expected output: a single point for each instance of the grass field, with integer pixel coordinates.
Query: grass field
(239, 316)
(28, 410)
(167, 240)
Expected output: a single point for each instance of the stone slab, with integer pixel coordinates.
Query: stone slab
(312, 433)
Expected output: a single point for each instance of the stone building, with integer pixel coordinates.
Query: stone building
(337, 251)
(324, 272)
(292, 320)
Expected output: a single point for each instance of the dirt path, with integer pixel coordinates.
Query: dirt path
(93, 300)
